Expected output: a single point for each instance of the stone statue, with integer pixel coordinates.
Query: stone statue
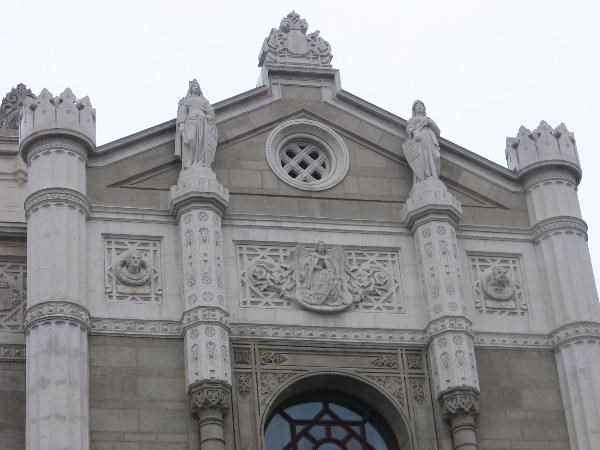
(196, 132)
(497, 284)
(422, 150)
(132, 270)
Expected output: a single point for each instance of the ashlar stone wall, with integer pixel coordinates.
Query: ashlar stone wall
(520, 403)
(137, 395)
(12, 405)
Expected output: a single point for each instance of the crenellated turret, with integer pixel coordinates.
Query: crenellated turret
(542, 147)
(56, 136)
(547, 163)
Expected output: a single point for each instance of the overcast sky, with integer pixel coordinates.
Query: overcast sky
(483, 68)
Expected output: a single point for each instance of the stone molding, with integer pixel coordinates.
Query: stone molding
(506, 340)
(56, 196)
(446, 324)
(459, 401)
(56, 310)
(210, 395)
(551, 174)
(573, 332)
(12, 352)
(53, 144)
(559, 224)
(205, 314)
(174, 329)
(135, 327)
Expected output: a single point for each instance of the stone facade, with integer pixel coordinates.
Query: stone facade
(178, 288)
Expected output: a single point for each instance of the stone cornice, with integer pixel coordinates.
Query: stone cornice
(135, 327)
(559, 224)
(574, 332)
(550, 174)
(53, 144)
(210, 395)
(459, 401)
(56, 311)
(56, 196)
(200, 192)
(12, 352)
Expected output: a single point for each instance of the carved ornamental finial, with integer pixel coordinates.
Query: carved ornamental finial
(12, 103)
(290, 45)
(543, 143)
(63, 112)
(421, 149)
(196, 133)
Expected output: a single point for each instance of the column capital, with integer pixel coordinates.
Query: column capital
(57, 310)
(210, 394)
(198, 187)
(430, 200)
(459, 401)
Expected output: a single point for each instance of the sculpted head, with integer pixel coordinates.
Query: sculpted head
(194, 88)
(500, 277)
(418, 108)
(321, 248)
(134, 262)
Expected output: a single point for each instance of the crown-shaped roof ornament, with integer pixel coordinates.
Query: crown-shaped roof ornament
(46, 112)
(12, 103)
(290, 45)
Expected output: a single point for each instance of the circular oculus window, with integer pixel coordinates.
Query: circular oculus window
(307, 155)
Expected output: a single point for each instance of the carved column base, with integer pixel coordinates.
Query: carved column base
(461, 407)
(210, 401)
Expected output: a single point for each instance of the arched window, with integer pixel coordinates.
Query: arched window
(327, 421)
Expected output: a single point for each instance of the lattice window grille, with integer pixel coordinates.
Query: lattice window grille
(305, 162)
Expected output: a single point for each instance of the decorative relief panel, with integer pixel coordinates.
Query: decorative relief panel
(13, 295)
(262, 371)
(320, 278)
(498, 285)
(132, 269)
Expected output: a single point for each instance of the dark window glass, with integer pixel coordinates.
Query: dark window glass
(327, 421)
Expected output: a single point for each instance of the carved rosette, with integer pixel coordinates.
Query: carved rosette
(459, 401)
(210, 395)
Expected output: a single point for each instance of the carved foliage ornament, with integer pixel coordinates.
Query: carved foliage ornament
(460, 401)
(206, 395)
(10, 109)
(291, 45)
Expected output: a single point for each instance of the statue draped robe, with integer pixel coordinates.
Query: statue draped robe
(196, 134)
(424, 155)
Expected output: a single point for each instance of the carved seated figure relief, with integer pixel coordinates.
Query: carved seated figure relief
(497, 284)
(133, 273)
